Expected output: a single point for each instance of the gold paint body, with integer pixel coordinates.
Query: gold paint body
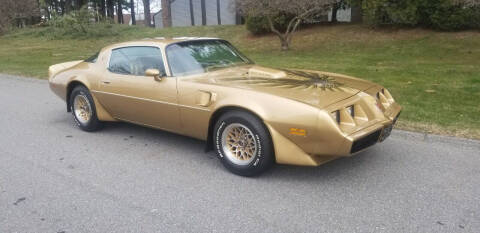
(295, 105)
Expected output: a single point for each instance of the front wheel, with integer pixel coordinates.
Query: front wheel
(243, 143)
(83, 109)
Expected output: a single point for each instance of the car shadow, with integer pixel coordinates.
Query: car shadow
(341, 168)
(345, 167)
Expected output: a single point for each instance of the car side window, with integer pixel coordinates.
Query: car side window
(136, 60)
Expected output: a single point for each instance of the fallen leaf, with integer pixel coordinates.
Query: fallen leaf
(20, 200)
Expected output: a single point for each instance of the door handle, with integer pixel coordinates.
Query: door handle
(106, 82)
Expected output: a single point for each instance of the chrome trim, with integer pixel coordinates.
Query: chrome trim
(150, 100)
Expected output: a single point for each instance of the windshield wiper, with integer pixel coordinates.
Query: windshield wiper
(216, 66)
(222, 64)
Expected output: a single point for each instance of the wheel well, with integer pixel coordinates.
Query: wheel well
(70, 88)
(216, 115)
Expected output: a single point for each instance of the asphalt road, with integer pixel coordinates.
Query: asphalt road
(126, 178)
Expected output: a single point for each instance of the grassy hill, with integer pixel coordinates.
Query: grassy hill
(434, 75)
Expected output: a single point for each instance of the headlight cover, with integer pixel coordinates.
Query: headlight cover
(351, 110)
(336, 116)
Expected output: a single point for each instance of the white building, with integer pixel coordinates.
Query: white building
(200, 12)
(223, 12)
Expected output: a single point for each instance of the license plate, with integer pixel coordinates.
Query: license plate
(386, 132)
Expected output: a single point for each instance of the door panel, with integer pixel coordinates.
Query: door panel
(129, 95)
(141, 99)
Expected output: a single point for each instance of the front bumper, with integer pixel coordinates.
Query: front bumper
(369, 136)
(371, 139)
(376, 131)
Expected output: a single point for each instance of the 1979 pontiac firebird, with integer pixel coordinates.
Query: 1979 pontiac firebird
(252, 116)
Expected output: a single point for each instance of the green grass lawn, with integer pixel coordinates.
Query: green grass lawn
(435, 76)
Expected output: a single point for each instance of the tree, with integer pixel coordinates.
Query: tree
(79, 4)
(339, 4)
(132, 12)
(101, 9)
(110, 9)
(68, 6)
(438, 14)
(300, 10)
(166, 14)
(146, 11)
(19, 13)
(119, 12)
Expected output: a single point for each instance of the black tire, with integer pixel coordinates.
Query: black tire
(263, 157)
(93, 123)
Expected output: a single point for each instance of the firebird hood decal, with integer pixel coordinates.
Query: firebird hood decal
(319, 89)
(295, 79)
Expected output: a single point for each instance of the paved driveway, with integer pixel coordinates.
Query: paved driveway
(125, 178)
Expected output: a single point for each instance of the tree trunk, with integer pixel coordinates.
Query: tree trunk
(192, 17)
(146, 11)
(132, 12)
(47, 12)
(68, 6)
(285, 43)
(62, 7)
(204, 10)
(110, 9)
(79, 4)
(101, 9)
(284, 37)
(334, 12)
(55, 6)
(166, 14)
(357, 14)
(119, 12)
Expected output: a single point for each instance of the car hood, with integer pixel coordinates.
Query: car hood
(315, 88)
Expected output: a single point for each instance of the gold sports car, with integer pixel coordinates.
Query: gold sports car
(252, 116)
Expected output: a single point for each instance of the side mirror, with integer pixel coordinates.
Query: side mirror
(156, 74)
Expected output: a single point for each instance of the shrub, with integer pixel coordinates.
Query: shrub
(437, 14)
(257, 25)
(260, 25)
(77, 25)
(455, 17)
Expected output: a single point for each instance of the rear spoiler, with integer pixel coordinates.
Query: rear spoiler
(57, 68)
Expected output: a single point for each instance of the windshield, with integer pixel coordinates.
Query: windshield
(196, 57)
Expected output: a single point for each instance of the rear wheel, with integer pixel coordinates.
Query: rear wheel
(243, 143)
(83, 109)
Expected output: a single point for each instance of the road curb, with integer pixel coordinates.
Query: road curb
(23, 78)
(434, 138)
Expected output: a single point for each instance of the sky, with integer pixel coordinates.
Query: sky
(155, 6)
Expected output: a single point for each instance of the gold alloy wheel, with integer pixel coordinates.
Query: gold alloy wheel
(239, 144)
(82, 109)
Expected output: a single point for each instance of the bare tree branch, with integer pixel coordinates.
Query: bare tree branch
(301, 10)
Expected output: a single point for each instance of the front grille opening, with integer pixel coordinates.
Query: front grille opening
(366, 141)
